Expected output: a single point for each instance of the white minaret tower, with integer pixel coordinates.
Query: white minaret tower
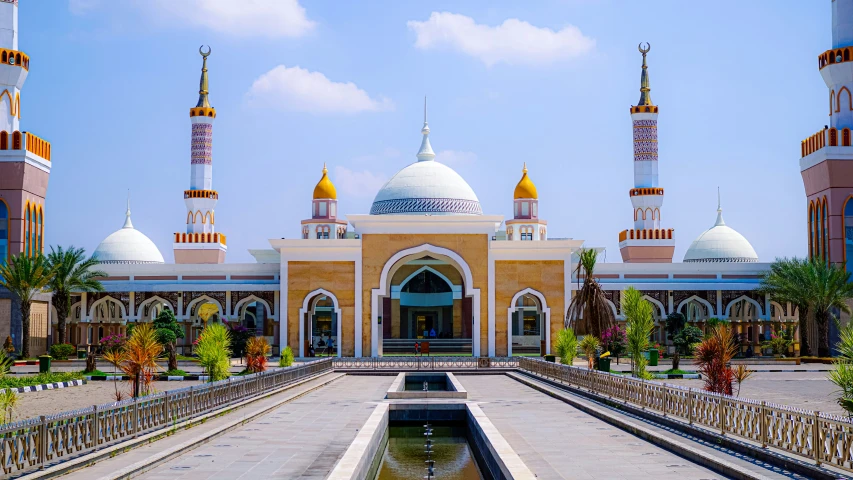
(646, 242)
(201, 243)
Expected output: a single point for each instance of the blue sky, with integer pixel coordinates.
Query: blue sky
(548, 83)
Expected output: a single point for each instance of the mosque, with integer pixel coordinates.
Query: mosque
(427, 263)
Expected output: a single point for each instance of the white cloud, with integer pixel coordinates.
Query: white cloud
(297, 89)
(514, 41)
(245, 18)
(363, 184)
(455, 158)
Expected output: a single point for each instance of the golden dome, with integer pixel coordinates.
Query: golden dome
(325, 188)
(525, 187)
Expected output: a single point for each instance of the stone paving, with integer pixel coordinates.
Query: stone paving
(301, 439)
(557, 441)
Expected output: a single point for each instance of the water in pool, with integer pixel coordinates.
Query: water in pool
(405, 458)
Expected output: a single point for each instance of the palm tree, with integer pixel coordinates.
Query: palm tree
(589, 313)
(788, 281)
(830, 289)
(72, 272)
(26, 276)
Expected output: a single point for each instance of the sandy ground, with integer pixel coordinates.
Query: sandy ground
(47, 402)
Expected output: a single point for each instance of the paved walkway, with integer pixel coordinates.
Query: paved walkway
(301, 439)
(557, 441)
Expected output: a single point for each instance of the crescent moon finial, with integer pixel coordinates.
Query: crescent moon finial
(201, 51)
(644, 50)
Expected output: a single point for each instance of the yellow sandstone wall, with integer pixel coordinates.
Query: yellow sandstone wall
(5, 318)
(544, 276)
(377, 249)
(336, 277)
(38, 328)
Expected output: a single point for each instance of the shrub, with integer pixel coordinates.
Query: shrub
(638, 313)
(113, 342)
(614, 341)
(713, 356)
(8, 346)
(566, 346)
(214, 351)
(240, 336)
(8, 402)
(61, 351)
(40, 379)
(286, 359)
(138, 358)
(257, 351)
(842, 375)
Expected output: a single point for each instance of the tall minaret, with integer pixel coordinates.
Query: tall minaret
(24, 158)
(646, 242)
(827, 156)
(201, 244)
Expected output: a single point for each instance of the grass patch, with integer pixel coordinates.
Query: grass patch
(175, 373)
(675, 372)
(617, 372)
(184, 358)
(98, 373)
(40, 379)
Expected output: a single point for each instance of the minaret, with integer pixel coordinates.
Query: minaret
(324, 223)
(827, 156)
(526, 224)
(24, 158)
(646, 242)
(201, 243)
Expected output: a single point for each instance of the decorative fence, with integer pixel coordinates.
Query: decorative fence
(821, 437)
(37, 442)
(425, 363)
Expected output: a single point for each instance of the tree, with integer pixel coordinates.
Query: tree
(25, 276)
(681, 335)
(638, 314)
(168, 332)
(214, 351)
(713, 356)
(566, 346)
(614, 341)
(589, 313)
(72, 272)
(788, 281)
(138, 358)
(240, 336)
(830, 289)
(589, 344)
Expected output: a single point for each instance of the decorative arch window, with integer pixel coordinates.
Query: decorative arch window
(845, 137)
(4, 232)
(848, 234)
(527, 233)
(825, 224)
(305, 232)
(811, 230)
(16, 140)
(4, 140)
(323, 232)
(27, 224)
(509, 233)
(426, 282)
(831, 101)
(818, 240)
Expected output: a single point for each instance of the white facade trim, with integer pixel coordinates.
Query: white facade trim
(437, 224)
(824, 154)
(302, 311)
(546, 310)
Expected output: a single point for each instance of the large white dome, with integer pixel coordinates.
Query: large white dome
(721, 243)
(426, 187)
(128, 245)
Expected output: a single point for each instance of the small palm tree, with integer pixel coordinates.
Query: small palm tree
(830, 289)
(26, 276)
(788, 281)
(589, 313)
(72, 272)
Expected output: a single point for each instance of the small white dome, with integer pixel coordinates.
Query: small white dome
(721, 243)
(128, 245)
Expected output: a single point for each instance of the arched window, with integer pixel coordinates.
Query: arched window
(848, 103)
(4, 232)
(16, 140)
(41, 229)
(833, 137)
(848, 234)
(27, 223)
(825, 223)
(811, 230)
(818, 239)
(845, 137)
(4, 140)
(831, 101)
(426, 282)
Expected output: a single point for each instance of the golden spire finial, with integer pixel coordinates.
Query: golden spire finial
(645, 96)
(524, 169)
(203, 86)
(325, 170)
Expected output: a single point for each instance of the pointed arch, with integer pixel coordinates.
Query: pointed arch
(107, 299)
(613, 307)
(253, 298)
(546, 322)
(207, 218)
(811, 228)
(155, 298)
(306, 307)
(189, 217)
(831, 101)
(778, 307)
(391, 266)
(698, 299)
(825, 234)
(203, 299)
(427, 268)
(759, 311)
(658, 304)
(849, 100)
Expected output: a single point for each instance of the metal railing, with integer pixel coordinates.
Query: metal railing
(821, 437)
(424, 363)
(38, 442)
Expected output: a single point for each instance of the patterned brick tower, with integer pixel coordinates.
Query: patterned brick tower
(200, 243)
(646, 242)
(24, 157)
(827, 156)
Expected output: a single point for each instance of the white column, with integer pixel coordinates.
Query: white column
(491, 304)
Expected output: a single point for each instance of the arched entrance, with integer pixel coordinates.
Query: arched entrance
(425, 295)
(320, 325)
(529, 319)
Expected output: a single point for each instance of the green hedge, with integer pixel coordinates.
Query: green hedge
(40, 379)
(61, 351)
